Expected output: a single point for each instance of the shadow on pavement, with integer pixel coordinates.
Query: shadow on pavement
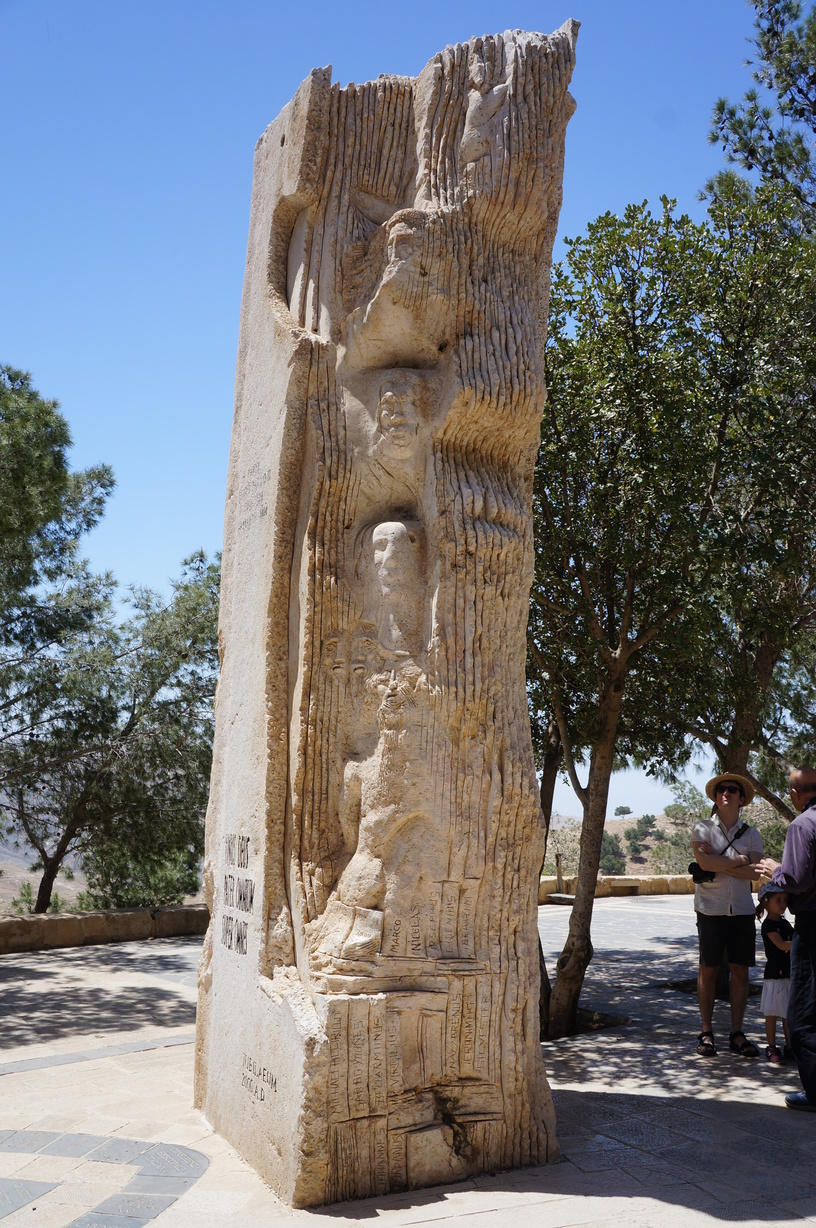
(707, 1159)
(30, 1016)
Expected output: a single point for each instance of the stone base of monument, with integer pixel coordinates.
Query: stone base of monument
(366, 1094)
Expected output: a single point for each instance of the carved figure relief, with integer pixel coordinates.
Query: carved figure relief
(409, 228)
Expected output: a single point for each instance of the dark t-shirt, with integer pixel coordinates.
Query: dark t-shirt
(777, 967)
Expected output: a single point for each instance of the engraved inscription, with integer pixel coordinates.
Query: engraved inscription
(253, 496)
(256, 1078)
(358, 1058)
(379, 1148)
(448, 921)
(482, 1054)
(467, 903)
(394, 1042)
(338, 1061)
(238, 893)
(453, 1024)
(468, 1031)
(234, 934)
(377, 1084)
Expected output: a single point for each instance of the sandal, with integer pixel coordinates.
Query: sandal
(773, 1055)
(706, 1048)
(746, 1048)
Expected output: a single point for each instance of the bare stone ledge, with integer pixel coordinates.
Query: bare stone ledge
(620, 884)
(45, 932)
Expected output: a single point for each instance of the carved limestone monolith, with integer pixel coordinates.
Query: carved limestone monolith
(368, 1014)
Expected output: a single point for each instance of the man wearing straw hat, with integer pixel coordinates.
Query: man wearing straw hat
(728, 849)
(797, 877)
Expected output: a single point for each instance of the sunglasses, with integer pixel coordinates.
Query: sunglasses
(728, 789)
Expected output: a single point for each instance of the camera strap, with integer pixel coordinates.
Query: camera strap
(742, 829)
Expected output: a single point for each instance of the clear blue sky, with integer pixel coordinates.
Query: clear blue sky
(127, 131)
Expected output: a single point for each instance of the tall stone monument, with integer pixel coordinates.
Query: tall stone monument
(369, 985)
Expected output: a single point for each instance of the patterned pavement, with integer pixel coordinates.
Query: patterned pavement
(96, 1128)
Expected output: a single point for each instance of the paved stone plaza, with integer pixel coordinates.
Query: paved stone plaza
(96, 1128)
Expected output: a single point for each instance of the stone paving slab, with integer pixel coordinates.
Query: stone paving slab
(86, 1181)
(651, 1135)
(71, 1145)
(16, 1194)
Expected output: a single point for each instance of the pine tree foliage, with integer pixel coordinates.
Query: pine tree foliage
(772, 130)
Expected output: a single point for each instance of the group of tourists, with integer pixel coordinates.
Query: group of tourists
(729, 856)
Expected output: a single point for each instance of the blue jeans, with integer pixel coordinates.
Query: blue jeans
(802, 1006)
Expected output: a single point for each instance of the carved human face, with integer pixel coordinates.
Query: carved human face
(395, 699)
(397, 561)
(397, 419)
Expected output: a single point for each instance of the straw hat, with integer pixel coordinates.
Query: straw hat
(730, 778)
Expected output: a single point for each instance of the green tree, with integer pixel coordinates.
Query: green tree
(661, 369)
(673, 854)
(636, 837)
(44, 507)
(773, 129)
(613, 859)
(107, 733)
(620, 811)
(754, 704)
(34, 442)
(618, 497)
(566, 842)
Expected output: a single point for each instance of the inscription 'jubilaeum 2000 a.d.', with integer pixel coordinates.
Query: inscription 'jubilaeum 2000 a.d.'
(256, 1078)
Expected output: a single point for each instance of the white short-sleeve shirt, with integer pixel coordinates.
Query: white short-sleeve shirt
(726, 896)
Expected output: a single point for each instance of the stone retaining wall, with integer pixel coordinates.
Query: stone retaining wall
(46, 931)
(620, 884)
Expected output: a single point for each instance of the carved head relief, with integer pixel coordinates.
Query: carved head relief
(397, 559)
(485, 107)
(392, 570)
(398, 419)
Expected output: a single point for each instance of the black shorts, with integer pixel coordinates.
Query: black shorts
(736, 935)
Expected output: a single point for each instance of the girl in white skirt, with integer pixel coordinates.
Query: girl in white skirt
(777, 934)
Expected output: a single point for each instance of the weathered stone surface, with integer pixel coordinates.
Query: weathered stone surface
(369, 986)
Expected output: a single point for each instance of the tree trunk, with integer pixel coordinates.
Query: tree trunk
(52, 864)
(743, 735)
(544, 995)
(549, 776)
(577, 953)
(553, 754)
(51, 867)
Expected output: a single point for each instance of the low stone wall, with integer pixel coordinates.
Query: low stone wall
(620, 884)
(49, 930)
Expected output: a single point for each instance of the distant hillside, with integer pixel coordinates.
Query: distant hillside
(664, 851)
(666, 848)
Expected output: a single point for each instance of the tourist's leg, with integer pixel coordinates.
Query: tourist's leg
(739, 995)
(802, 1007)
(706, 984)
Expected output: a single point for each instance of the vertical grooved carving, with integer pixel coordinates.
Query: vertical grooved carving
(390, 370)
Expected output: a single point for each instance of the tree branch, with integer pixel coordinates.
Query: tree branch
(566, 743)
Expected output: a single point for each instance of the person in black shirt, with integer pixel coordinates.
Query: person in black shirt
(777, 934)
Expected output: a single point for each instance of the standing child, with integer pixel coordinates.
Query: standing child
(777, 934)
